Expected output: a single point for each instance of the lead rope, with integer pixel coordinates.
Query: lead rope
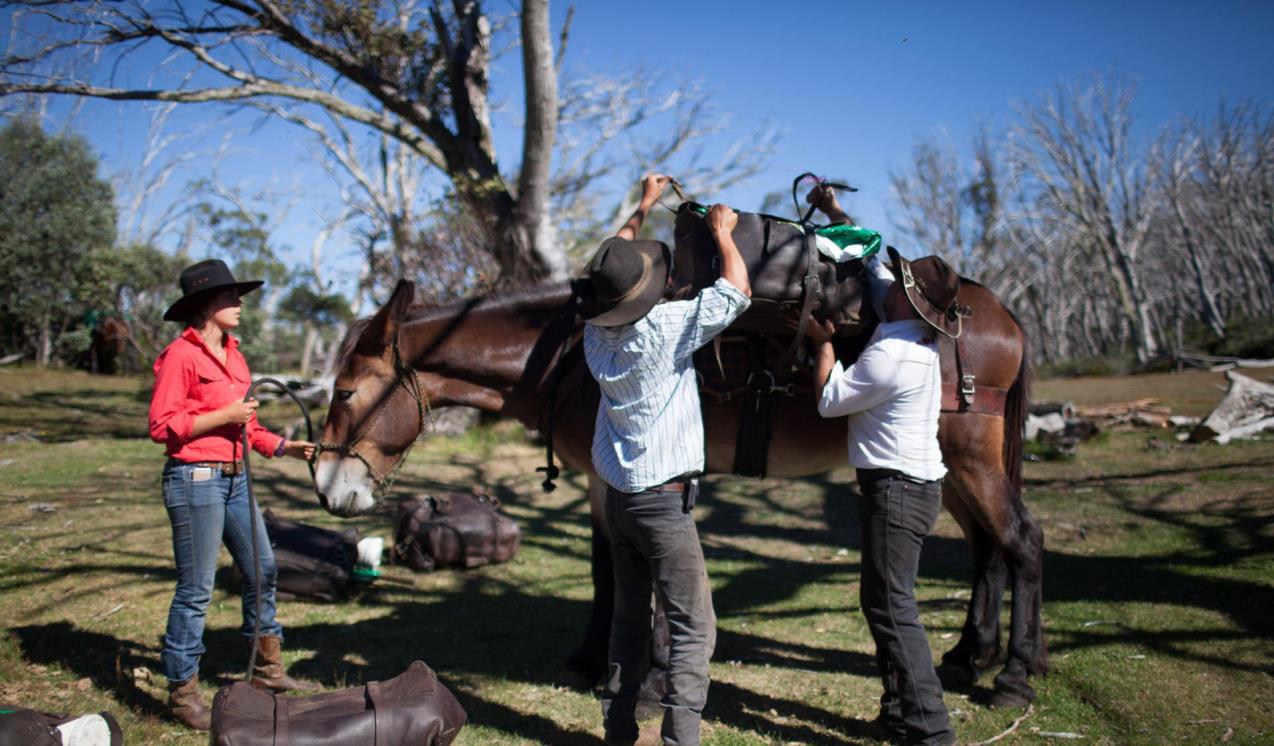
(252, 505)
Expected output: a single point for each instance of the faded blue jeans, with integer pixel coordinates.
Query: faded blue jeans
(203, 514)
(655, 546)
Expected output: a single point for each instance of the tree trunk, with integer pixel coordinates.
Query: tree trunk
(307, 349)
(44, 348)
(540, 76)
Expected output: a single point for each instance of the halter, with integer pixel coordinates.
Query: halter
(406, 377)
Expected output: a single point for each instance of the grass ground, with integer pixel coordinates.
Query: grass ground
(1159, 579)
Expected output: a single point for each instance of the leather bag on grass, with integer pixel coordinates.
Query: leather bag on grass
(411, 709)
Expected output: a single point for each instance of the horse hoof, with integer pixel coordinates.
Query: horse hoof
(955, 676)
(1005, 700)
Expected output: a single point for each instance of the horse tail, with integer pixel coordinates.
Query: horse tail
(1016, 407)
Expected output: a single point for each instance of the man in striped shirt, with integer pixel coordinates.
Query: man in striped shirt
(648, 447)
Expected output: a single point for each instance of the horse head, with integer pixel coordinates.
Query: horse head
(378, 409)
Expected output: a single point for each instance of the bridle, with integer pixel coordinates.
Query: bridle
(405, 377)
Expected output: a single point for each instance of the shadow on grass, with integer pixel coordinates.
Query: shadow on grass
(104, 659)
(76, 414)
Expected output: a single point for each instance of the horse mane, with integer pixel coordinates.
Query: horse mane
(531, 295)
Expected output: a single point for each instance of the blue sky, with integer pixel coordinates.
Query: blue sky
(851, 84)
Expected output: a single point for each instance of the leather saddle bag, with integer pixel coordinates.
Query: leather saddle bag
(453, 530)
(778, 256)
(411, 709)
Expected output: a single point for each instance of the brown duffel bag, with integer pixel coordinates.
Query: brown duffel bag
(411, 709)
(778, 256)
(453, 530)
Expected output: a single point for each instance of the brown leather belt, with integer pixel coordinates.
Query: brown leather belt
(227, 468)
(669, 487)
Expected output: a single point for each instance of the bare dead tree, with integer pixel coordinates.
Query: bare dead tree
(1173, 165)
(1075, 152)
(422, 82)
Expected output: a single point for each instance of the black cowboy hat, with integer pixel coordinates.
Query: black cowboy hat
(625, 280)
(931, 286)
(199, 281)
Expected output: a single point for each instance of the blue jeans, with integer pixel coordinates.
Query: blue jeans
(655, 546)
(203, 514)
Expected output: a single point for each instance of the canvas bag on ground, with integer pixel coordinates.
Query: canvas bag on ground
(411, 709)
(778, 257)
(313, 562)
(454, 530)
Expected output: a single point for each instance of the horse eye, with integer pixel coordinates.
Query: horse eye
(344, 394)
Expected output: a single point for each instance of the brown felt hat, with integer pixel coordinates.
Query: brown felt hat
(931, 286)
(625, 280)
(199, 281)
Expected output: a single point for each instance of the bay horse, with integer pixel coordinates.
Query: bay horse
(497, 354)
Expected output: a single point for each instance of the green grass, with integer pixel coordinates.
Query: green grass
(1159, 579)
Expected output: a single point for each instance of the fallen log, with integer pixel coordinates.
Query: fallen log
(1121, 408)
(1246, 409)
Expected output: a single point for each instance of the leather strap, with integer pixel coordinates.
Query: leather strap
(811, 288)
(966, 394)
(380, 712)
(985, 400)
(281, 720)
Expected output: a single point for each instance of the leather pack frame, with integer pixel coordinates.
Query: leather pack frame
(780, 256)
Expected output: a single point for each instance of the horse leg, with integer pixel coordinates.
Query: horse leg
(587, 665)
(997, 507)
(1027, 654)
(979, 646)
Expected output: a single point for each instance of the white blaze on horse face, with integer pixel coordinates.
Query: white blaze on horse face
(346, 484)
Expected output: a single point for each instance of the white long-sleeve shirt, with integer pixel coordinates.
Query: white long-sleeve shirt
(649, 426)
(893, 396)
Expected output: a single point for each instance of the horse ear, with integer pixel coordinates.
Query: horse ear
(383, 328)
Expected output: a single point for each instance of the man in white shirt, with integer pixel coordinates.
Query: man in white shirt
(892, 395)
(648, 447)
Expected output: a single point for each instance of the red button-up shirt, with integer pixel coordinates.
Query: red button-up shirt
(190, 381)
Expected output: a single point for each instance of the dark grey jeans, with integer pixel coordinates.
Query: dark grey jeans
(655, 546)
(896, 514)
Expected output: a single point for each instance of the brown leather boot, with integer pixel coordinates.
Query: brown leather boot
(268, 672)
(186, 706)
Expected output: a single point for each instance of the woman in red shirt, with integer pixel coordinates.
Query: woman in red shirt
(197, 412)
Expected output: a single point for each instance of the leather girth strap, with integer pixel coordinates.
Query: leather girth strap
(756, 414)
(966, 395)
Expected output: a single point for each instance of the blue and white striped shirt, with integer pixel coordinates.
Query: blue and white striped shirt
(649, 426)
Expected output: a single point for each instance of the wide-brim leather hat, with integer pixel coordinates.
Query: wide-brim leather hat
(625, 279)
(931, 285)
(200, 281)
